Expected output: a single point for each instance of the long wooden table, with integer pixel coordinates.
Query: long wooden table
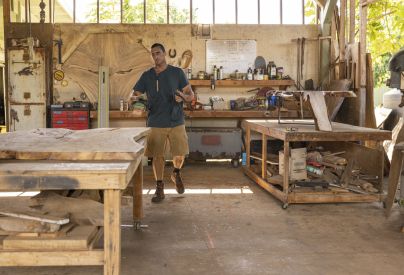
(60, 159)
(301, 131)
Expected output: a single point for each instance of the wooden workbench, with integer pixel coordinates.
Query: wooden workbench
(299, 132)
(60, 159)
(201, 114)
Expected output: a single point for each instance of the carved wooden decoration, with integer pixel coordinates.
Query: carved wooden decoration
(126, 58)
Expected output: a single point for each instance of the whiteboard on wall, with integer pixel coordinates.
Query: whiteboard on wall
(231, 54)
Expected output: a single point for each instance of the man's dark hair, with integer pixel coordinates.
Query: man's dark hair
(158, 45)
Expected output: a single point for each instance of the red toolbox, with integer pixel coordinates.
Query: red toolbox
(70, 118)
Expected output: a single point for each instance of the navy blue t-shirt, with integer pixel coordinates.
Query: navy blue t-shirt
(163, 110)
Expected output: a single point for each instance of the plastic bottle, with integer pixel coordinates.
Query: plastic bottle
(273, 71)
(249, 74)
(215, 72)
(189, 74)
(220, 73)
(121, 104)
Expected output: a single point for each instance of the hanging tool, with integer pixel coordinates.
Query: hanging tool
(59, 43)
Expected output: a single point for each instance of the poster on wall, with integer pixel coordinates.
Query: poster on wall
(231, 54)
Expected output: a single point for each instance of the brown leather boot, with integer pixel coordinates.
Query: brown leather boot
(177, 180)
(159, 194)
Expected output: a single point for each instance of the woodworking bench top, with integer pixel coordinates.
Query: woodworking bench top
(304, 130)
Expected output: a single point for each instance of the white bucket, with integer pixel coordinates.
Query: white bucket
(392, 99)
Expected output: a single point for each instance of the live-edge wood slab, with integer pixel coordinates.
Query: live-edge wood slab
(63, 144)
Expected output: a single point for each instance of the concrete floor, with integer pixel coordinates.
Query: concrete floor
(249, 233)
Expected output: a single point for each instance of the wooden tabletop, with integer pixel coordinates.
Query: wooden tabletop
(304, 130)
(63, 144)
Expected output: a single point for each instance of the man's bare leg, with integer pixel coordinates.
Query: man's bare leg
(178, 161)
(158, 170)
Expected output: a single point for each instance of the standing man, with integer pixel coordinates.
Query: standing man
(166, 88)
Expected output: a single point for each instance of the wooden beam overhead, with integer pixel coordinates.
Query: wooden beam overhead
(327, 12)
(320, 3)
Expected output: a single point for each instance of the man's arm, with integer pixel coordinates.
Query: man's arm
(135, 96)
(186, 94)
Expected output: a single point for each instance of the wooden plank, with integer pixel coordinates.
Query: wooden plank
(13, 225)
(351, 21)
(63, 144)
(332, 198)
(334, 103)
(370, 120)
(319, 108)
(112, 232)
(397, 137)
(342, 65)
(54, 258)
(77, 239)
(394, 178)
(22, 177)
(341, 132)
(362, 63)
(268, 187)
(381, 114)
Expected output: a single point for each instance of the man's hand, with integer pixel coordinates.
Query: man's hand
(186, 95)
(179, 96)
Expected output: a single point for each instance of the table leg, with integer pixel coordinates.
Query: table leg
(247, 145)
(286, 162)
(138, 194)
(112, 232)
(264, 157)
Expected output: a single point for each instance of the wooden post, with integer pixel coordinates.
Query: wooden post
(363, 13)
(351, 21)
(112, 232)
(247, 145)
(380, 174)
(342, 70)
(264, 157)
(138, 193)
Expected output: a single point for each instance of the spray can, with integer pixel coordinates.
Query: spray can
(121, 104)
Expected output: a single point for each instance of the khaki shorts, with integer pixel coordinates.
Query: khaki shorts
(159, 137)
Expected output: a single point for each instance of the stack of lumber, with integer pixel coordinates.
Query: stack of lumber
(42, 223)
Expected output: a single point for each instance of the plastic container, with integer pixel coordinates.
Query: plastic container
(244, 159)
(392, 99)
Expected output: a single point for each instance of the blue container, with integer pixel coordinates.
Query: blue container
(244, 159)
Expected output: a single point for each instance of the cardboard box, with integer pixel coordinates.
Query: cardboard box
(219, 105)
(297, 164)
